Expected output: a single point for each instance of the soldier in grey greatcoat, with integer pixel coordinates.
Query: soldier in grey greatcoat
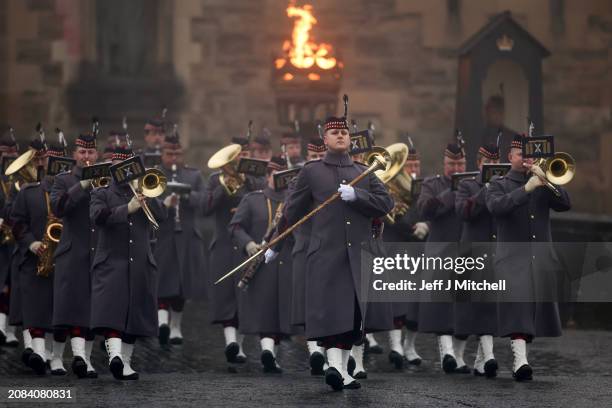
(224, 255)
(179, 251)
(315, 150)
(70, 198)
(334, 308)
(521, 204)
(8, 150)
(407, 228)
(124, 271)
(265, 305)
(30, 213)
(436, 204)
(471, 316)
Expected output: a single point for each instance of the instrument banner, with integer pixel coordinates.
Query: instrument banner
(252, 167)
(538, 147)
(457, 177)
(489, 170)
(361, 142)
(59, 165)
(96, 171)
(283, 178)
(127, 170)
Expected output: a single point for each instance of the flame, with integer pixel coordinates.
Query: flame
(302, 52)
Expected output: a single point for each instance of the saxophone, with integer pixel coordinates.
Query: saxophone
(53, 232)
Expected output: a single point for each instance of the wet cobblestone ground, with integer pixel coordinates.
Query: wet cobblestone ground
(574, 370)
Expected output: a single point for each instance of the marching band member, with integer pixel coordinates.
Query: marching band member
(521, 207)
(31, 213)
(407, 228)
(473, 317)
(220, 202)
(179, 249)
(9, 150)
(436, 204)
(124, 271)
(70, 198)
(315, 150)
(334, 313)
(261, 146)
(264, 307)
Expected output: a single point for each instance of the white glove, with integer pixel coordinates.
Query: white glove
(537, 170)
(421, 229)
(533, 183)
(270, 255)
(35, 247)
(168, 201)
(1, 221)
(251, 248)
(133, 205)
(347, 193)
(85, 184)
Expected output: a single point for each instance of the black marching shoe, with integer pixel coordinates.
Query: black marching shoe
(231, 351)
(376, 349)
(490, 368)
(350, 367)
(79, 367)
(269, 363)
(176, 341)
(164, 334)
(449, 364)
(25, 356)
(414, 361)
(464, 369)
(361, 375)
(317, 361)
(353, 385)
(524, 373)
(116, 368)
(396, 359)
(37, 364)
(334, 379)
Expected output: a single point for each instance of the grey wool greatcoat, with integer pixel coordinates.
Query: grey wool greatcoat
(298, 255)
(436, 204)
(180, 254)
(224, 255)
(401, 231)
(474, 315)
(124, 272)
(265, 307)
(333, 276)
(5, 250)
(29, 217)
(523, 217)
(74, 253)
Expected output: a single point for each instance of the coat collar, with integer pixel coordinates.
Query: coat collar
(517, 176)
(273, 194)
(338, 159)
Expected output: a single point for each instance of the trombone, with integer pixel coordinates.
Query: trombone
(558, 170)
(151, 184)
(378, 159)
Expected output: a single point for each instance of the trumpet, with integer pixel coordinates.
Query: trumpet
(231, 180)
(151, 184)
